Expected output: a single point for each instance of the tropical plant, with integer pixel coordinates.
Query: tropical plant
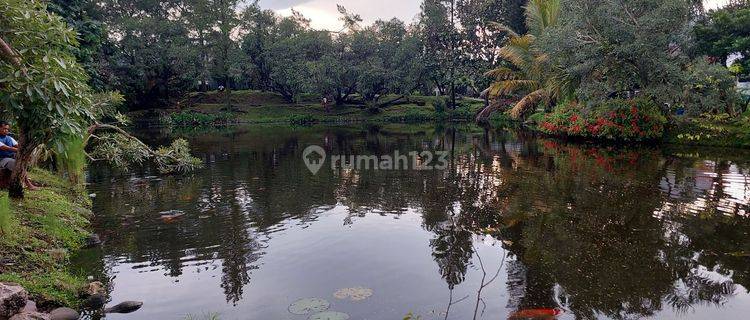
(529, 74)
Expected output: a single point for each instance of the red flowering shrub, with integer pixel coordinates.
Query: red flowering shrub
(618, 119)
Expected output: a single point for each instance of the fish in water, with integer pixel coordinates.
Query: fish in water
(171, 215)
(124, 307)
(544, 313)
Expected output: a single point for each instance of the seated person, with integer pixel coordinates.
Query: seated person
(8, 149)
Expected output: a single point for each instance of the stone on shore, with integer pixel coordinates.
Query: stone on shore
(64, 314)
(12, 299)
(95, 301)
(29, 307)
(124, 307)
(31, 316)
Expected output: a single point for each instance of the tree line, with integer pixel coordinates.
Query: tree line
(155, 51)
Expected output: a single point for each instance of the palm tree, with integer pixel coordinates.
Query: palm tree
(530, 76)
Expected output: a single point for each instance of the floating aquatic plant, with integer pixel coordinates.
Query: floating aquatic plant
(329, 315)
(353, 294)
(309, 305)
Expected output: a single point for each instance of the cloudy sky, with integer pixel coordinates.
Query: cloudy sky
(324, 15)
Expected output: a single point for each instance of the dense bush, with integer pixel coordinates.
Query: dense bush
(616, 119)
(711, 89)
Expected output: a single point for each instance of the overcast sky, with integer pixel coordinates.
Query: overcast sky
(324, 15)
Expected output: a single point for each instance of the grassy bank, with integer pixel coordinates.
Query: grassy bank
(248, 106)
(39, 233)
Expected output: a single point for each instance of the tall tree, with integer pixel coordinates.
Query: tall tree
(630, 47)
(435, 30)
(155, 57)
(85, 17)
(41, 84)
(725, 33)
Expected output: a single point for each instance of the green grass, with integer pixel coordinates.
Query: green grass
(47, 226)
(210, 108)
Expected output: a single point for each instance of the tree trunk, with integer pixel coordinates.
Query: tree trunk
(24, 158)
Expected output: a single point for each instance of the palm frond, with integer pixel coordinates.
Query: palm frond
(541, 14)
(502, 73)
(504, 28)
(528, 102)
(507, 87)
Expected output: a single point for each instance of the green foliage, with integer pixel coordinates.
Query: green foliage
(616, 48)
(164, 47)
(176, 158)
(118, 150)
(726, 31)
(617, 119)
(123, 151)
(81, 15)
(531, 75)
(46, 90)
(710, 89)
(720, 130)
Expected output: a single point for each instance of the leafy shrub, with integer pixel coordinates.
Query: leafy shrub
(720, 130)
(617, 119)
(711, 89)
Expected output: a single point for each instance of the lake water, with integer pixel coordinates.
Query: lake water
(514, 226)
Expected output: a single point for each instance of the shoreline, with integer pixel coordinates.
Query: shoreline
(47, 227)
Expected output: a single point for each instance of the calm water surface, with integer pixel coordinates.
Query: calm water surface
(514, 224)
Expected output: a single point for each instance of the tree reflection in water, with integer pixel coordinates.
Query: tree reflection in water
(593, 230)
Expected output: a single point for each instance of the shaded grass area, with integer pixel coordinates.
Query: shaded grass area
(263, 107)
(44, 228)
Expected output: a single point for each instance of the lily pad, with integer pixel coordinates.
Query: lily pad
(353, 294)
(329, 315)
(309, 305)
